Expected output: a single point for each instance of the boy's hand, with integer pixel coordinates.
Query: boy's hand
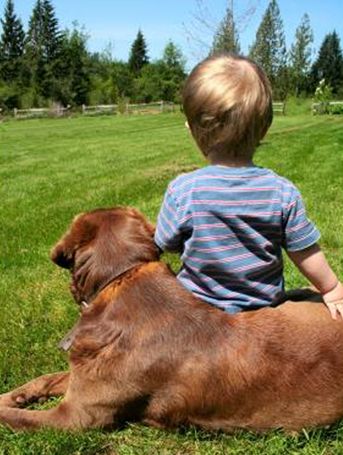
(335, 308)
(334, 301)
(313, 265)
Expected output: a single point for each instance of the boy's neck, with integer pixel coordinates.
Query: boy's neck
(230, 162)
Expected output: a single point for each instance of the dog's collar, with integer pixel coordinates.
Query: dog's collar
(67, 341)
(119, 276)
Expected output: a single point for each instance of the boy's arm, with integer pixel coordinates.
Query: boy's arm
(313, 265)
(168, 235)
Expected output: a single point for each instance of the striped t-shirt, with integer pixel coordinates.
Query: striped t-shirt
(230, 225)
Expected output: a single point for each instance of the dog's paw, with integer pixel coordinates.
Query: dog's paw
(19, 399)
(6, 400)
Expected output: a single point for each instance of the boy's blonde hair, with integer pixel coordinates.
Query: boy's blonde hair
(228, 104)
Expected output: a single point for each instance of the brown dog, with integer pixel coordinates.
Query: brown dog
(146, 349)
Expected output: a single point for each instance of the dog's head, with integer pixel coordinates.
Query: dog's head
(102, 244)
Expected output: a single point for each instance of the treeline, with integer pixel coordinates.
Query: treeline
(44, 64)
(291, 71)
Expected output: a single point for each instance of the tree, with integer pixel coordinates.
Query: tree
(173, 57)
(173, 73)
(123, 79)
(51, 51)
(138, 55)
(269, 49)
(43, 49)
(203, 28)
(226, 37)
(75, 84)
(148, 86)
(329, 63)
(11, 44)
(35, 34)
(300, 55)
(34, 49)
(51, 32)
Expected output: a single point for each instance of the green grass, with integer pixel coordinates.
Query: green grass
(54, 169)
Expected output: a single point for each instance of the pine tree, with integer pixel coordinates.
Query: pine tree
(226, 37)
(43, 48)
(34, 54)
(138, 55)
(74, 81)
(300, 55)
(172, 72)
(51, 51)
(329, 63)
(35, 34)
(11, 45)
(173, 58)
(269, 48)
(51, 33)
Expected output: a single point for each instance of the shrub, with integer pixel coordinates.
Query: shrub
(323, 95)
(336, 109)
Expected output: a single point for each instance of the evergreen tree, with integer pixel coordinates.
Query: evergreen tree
(269, 49)
(329, 63)
(123, 79)
(43, 49)
(173, 58)
(51, 32)
(172, 72)
(226, 37)
(11, 45)
(148, 87)
(300, 55)
(35, 34)
(34, 54)
(51, 51)
(74, 82)
(138, 55)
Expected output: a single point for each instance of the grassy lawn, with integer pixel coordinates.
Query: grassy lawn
(54, 169)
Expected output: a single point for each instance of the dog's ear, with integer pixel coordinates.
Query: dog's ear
(62, 256)
(144, 224)
(80, 233)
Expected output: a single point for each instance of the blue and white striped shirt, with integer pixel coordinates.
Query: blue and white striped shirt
(230, 225)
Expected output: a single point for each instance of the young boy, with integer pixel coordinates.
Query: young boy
(231, 219)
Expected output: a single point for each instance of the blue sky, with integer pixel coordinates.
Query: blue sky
(117, 21)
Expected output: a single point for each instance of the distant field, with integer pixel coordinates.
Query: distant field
(53, 169)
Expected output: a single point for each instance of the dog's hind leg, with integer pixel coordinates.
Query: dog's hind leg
(39, 389)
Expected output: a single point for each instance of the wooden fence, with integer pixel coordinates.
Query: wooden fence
(56, 111)
(100, 109)
(126, 108)
(327, 107)
(279, 107)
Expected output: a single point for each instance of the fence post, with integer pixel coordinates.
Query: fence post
(162, 106)
(83, 108)
(15, 111)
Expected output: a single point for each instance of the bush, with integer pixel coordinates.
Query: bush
(322, 96)
(336, 109)
(103, 91)
(9, 96)
(122, 102)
